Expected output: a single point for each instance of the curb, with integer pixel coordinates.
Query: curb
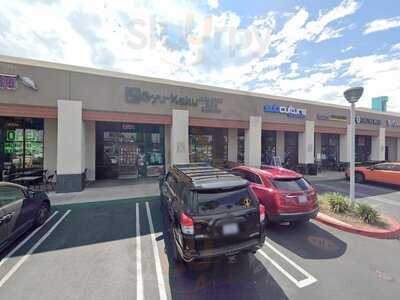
(391, 233)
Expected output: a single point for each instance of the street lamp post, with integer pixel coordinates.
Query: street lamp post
(352, 95)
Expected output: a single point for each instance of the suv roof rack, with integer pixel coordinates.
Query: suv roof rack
(203, 171)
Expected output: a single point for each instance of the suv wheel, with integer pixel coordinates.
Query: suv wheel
(42, 214)
(359, 177)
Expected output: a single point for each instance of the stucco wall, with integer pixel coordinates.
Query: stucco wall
(50, 146)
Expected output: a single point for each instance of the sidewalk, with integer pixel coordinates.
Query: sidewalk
(326, 175)
(105, 190)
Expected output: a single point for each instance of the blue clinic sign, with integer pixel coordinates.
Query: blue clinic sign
(290, 111)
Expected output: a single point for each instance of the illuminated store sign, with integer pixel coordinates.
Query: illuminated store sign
(8, 82)
(208, 104)
(290, 111)
(367, 121)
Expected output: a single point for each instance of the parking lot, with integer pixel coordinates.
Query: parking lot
(119, 250)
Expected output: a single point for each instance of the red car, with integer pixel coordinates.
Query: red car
(286, 195)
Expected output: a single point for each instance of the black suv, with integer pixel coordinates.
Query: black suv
(212, 213)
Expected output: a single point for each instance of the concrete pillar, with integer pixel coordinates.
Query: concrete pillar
(344, 143)
(252, 142)
(378, 145)
(318, 146)
(280, 145)
(50, 146)
(306, 144)
(398, 149)
(180, 137)
(167, 146)
(232, 144)
(70, 150)
(90, 149)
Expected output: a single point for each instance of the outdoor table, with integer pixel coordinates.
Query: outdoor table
(26, 180)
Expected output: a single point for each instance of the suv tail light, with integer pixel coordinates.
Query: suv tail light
(262, 213)
(186, 224)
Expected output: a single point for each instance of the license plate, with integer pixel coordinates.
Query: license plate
(230, 229)
(302, 199)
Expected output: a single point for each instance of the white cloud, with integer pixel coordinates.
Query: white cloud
(347, 49)
(382, 24)
(213, 3)
(395, 47)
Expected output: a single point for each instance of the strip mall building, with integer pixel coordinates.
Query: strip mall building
(68, 119)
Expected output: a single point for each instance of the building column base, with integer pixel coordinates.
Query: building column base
(69, 183)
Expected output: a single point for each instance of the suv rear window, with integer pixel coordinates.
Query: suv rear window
(291, 184)
(219, 201)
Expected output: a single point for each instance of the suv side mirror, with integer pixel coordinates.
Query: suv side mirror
(371, 168)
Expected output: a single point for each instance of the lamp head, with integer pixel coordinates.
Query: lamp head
(352, 95)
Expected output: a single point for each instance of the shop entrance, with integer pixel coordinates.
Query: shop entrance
(268, 147)
(208, 144)
(291, 150)
(21, 144)
(363, 148)
(127, 151)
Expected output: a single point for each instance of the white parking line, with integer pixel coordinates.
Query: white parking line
(300, 284)
(33, 248)
(139, 279)
(160, 277)
(3, 261)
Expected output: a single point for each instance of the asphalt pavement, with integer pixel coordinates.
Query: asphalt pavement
(120, 249)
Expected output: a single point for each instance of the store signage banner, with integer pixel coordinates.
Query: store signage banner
(290, 111)
(8, 82)
(208, 104)
(338, 118)
(393, 123)
(368, 121)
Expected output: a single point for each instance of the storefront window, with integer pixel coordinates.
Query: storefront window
(268, 147)
(21, 143)
(330, 149)
(207, 144)
(240, 154)
(129, 150)
(291, 150)
(363, 148)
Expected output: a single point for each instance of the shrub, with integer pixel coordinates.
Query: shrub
(337, 202)
(367, 213)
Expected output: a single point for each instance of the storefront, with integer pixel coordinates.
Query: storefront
(21, 144)
(268, 147)
(363, 148)
(330, 149)
(208, 144)
(125, 150)
(91, 124)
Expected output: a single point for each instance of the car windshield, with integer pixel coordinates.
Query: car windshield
(217, 200)
(291, 184)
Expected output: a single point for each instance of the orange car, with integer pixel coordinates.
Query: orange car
(388, 172)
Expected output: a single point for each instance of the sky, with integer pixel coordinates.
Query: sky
(307, 49)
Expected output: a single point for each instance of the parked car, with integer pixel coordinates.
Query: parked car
(388, 172)
(20, 209)
(286, 195)
(212, 213)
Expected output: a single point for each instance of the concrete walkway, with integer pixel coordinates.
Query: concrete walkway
(326, 175)
(104, 190)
